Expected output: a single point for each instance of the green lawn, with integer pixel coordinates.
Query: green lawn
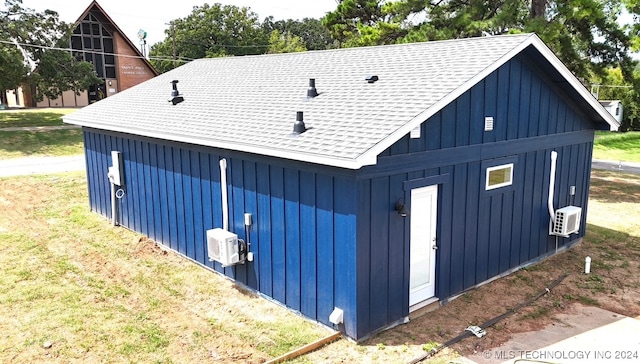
(16, 144)
(33, 117)
(617, 146)
(76, 289)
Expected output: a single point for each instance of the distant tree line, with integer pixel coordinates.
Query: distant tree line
(227, 30)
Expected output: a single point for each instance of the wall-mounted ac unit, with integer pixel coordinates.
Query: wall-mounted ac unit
(567, 220)
(222, 246)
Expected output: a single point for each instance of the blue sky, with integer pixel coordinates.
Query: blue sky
(132, 15)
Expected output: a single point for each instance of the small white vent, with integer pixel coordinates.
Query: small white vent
(222, 246)
(567, 220)
(415, 133)
(488, 123)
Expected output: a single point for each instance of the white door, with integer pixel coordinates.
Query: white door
(422, 270)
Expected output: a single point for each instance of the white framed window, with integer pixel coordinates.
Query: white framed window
(499, 176)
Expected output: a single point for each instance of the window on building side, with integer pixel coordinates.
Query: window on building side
(499, 176)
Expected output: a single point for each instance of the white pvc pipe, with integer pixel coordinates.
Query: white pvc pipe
(587, 265)
(552, 185)
(223, 188)
(114, 205)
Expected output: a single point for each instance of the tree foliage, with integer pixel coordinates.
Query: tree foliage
(613, 86)
(285, 43)
(211, 31)
(360, 22)
(12, 67)
(59, 71)
(315, 35)
(226, 30)
(583, 33)
(26, 53)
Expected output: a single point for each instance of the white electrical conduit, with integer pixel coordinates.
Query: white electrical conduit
(223, 188)
(552, 185)
(114, 206)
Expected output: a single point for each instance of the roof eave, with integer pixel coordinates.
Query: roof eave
(352, 164)
(370, 156)
(574, 82)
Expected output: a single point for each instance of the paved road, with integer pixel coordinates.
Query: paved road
(586, 335)
(624, 167)
(41, 165)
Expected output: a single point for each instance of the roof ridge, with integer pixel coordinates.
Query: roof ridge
(365, 48)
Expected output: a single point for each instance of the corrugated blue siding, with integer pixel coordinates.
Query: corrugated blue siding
(303, 237)
(481, 233)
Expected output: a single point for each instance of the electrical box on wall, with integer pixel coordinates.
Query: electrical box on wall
(115, 172)
(222, 246)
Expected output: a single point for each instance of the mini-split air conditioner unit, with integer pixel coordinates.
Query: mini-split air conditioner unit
(223, 247)
(567, 221)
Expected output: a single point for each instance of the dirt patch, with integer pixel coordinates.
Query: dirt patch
(148, 248)
(612, 289)
(614, 284)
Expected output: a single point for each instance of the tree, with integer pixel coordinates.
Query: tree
(633, 7)
(59, 71)
(583, 33)
(352, 18)
(211, 31)
(285, 43)
(613, 86)
(12, 68)
(27, 56)
(315, 35)
(457, 18)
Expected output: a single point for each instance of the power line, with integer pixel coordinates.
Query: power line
(181, 59)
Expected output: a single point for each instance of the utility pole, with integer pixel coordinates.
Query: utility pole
(173, 38)
(175, 57)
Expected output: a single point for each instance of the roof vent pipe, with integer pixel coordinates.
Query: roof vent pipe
(175, 98)
(312, 92)
(298, 126)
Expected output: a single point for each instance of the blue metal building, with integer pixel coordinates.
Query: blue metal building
(419, 170)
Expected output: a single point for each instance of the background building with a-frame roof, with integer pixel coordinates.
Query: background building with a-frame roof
(421, 171)
(117, 61)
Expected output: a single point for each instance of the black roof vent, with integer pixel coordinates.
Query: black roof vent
(175, 98)
(312, 92)
(371, 79)
(298, 126)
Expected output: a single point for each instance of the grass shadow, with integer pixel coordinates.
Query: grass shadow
(614, 187)
(16, 144)
(25, 119)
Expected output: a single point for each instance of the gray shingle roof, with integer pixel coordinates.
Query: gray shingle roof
(249, 103)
